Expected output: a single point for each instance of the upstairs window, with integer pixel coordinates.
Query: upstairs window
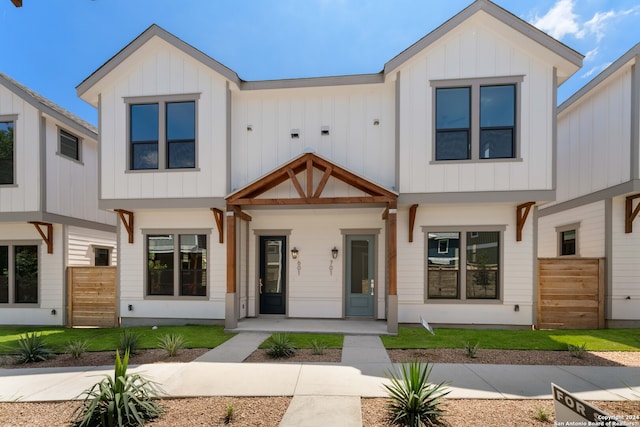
(162, 134)
(69, 145)
(7, 145)
(476, 120)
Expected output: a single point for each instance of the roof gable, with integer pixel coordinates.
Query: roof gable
(312, 194)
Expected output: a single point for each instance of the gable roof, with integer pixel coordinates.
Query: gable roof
(46, 106)
(498, 13)
(248, 195)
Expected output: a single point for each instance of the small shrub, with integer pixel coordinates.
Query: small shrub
(414, 400)
(229, 413)
(76, 348)
(129, 342)
(31, 348)
(121, 400)
(280, 346)
(171, 343)
(318, 347)
(542, 415)
(578, 351)
(471, 349)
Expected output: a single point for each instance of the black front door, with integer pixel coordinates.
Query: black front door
(272, 282)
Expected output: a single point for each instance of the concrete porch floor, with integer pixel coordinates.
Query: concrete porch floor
(328, 326)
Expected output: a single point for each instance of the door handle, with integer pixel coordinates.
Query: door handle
(260, 285)
(373, 285)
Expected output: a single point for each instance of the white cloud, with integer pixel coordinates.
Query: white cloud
(595, 70)
(560, 21)
(589, 56)
(597, 24)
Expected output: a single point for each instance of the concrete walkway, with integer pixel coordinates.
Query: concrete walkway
(323, 390)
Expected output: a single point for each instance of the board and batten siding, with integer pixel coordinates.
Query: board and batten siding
(591, 230)
(593, 139)
(480, 47)
(160, 69)
(516, 288)
(24, 195)
(133, 264)
(262, 121)
(625, 268)
(82, 241)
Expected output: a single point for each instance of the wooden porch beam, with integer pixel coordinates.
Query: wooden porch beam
(311, 201)
(242, 215)
(323, 182)
(392, 248)
(309, 177)
(48, 236)
(630, 213)
(522, 212)
(219, 217)
(296, 183)
(127, 220)
(412, 220)
(231, 252)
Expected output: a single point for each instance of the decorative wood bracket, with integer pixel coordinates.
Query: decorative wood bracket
(219, 217)
(630, 213)
(412, 220)
(17, 3)
(48, 236)
(522, 212)
(126, 221)
(242, 215)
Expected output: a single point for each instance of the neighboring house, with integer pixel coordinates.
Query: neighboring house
(320, 197)
(49, 216)
(598, 189)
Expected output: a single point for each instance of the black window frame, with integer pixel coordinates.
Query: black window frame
(8, 156)
(10, 277)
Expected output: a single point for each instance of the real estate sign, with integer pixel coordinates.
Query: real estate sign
(571, 411)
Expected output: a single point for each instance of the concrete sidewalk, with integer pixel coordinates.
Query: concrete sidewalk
(316, 387)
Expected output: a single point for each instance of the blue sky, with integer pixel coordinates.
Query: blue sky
(51, 46)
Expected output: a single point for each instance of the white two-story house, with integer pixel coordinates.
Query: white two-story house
(598, 186)
(49, 216)
(405, 193)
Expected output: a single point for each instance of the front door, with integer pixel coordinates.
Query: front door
(360, 283)
(272, 282)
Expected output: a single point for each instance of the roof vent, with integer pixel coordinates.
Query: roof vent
(295, 133)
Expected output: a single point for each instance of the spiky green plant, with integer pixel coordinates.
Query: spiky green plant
(229, 413)
(129, 342)
(542, 415)
(578, 350)
(31, 348)
(122, 400)
(318, 347)
(76, 348)
(171, 343)
(280, 346)
(471, 349)
(414, 401)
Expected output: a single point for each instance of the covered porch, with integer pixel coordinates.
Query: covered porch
(273, 324)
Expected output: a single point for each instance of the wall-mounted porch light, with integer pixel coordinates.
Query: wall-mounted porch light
(294, 253)
(334, 253)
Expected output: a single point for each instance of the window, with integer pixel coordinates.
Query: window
(162, 133)
(568, 239)
(476, 119)
(469, 274)
(177, 264)
(101, 257)
(69, 145)
(18, 274)
(7, 143)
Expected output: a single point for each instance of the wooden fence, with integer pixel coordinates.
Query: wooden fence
(571, 293)
(92, 297)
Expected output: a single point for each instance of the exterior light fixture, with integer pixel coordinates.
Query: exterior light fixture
(334, 253)
(54, 312)
(294, 253)
(130, 307)
(516, 307)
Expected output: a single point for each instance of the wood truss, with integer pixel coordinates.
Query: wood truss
(126, 221)
(219, 217)
(522, 212)
(630, 213)
(48, 236)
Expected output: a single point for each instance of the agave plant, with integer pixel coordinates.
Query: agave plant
(414, 401)
(31, 348)
(171, 343)
(129, 341)
(280, 346)
(76, 348)
(122, 400)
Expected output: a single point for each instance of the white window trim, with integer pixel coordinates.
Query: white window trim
(462, 263)
(93, 254)
(568, 227)
(11, 283)
(161, 100)
(80, 143)
(474, 84)
(176, 255)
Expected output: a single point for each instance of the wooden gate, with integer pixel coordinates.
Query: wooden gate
(570, 293)
(91, 297)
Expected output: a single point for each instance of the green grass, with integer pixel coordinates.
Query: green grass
(304, 340)
(596, 340)
(56, 338)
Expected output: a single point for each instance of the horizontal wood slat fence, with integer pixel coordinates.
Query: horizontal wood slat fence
(92, 297)
(571, 293)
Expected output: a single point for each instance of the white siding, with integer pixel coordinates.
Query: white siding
(354, 142)
(479, 47)
(160, 69)
(25, 195)
(517, 286)
(591, 231)
(625, 265)
(83, 241)
(594, 139)
(133, 263)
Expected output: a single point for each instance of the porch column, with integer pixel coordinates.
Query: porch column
(392, 265)
(230, 316)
